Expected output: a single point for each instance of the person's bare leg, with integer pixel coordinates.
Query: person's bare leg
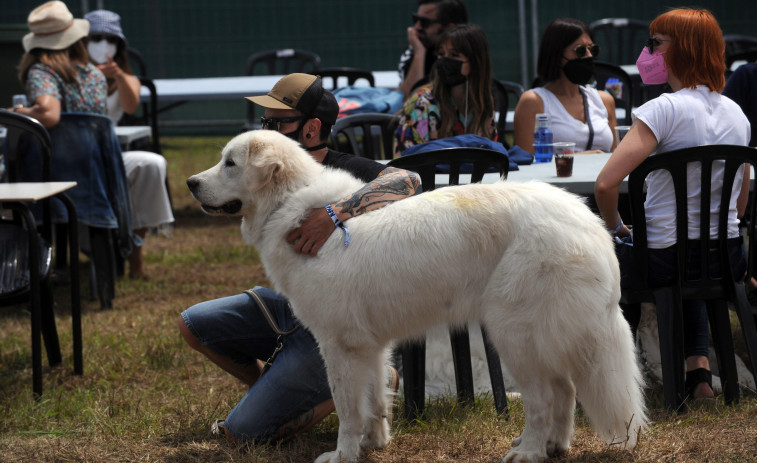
(135, 258)
(248, 374)
(702, 390)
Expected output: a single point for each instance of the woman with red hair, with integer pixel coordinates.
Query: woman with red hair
(686, 50)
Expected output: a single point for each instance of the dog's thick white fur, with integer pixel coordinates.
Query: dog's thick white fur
(529, 261)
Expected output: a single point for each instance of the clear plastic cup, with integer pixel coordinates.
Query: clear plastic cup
(563, 152)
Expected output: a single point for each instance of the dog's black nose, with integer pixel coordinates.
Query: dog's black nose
(192, 183)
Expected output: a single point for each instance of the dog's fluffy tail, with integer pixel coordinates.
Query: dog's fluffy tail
(612, 395)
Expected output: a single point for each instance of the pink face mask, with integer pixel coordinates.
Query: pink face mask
(651, 67)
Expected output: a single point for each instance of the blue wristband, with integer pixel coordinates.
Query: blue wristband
(338, 223)
(617, 229)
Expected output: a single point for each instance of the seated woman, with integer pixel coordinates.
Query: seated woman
(579, 114)
(59, 77)
(459, 98)
(686, 50)
(145, 171)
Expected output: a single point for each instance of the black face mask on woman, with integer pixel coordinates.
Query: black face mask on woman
(579, 70)
(449, 71)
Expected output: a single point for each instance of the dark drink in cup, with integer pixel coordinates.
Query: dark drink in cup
(564, 158)
(564, 165)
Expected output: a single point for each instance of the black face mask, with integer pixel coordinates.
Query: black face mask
(449, 71)
(295, 135)
(579, 70)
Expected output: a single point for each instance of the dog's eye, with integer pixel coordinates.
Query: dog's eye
(230, 163)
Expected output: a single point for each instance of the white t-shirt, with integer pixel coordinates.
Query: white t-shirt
(566, 128)
(115, 111)
(686, 118)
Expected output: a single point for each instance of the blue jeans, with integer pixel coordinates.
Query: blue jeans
(296, 382)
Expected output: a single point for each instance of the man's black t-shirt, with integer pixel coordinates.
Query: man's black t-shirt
(363, 168)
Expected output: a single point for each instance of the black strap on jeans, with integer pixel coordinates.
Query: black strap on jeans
(588, 120)
(274, 326)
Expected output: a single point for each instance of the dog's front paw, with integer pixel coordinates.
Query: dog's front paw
(335, 457)
(555, 449)
(521, 456)
(377, 435)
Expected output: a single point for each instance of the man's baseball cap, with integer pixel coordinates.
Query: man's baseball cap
(303, 92)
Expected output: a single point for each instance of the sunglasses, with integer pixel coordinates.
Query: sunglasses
(425, 22)
(654, 42)
(274, 123)
(580, 50)
(112, 39)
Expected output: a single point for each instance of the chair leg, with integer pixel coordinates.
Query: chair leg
(748, 325)
(49, 331)
(632, 314)
(495, 373)
(722, 340)
(669, 325)
(103, 259)
(61, 231)
(460, 341)
(73, 248)
(414, 377)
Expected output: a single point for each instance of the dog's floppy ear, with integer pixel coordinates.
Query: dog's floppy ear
(268, 164)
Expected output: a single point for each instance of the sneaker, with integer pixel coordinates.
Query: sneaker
(218, 429)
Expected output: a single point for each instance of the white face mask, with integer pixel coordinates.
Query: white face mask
(101, 51)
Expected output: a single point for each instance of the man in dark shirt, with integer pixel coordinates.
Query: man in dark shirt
(429, 23)
(741, 87)
(234, 333)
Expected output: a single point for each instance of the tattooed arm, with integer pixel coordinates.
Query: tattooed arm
(391, 185)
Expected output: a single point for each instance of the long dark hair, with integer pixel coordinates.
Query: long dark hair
(469, 40)
(559, 34)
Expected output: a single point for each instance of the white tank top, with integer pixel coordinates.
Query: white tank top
(566, 128)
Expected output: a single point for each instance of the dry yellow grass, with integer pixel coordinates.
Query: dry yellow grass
(145, 397)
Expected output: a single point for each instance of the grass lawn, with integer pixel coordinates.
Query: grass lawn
(146, 397)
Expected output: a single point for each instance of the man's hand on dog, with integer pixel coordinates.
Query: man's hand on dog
(312, 233)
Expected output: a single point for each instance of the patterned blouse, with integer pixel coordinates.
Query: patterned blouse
(88, 95)
(420, 121)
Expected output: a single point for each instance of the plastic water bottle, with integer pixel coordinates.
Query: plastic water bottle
(543, 139)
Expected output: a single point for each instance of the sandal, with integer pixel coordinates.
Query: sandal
(693, 379)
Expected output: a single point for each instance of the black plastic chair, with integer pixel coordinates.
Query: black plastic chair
(455, 161)
(506, 95)
(137, 61)
(737, 43)
(604, 71)
(26, 253)
(335, 76)
(278, 62)
(147, 115)
(619, 39)
(370, 135)
(697, 283)
(750, 56)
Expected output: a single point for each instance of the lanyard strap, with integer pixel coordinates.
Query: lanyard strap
(588, 120)
(274, 326)
(268, 315)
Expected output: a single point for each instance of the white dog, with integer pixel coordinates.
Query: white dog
(527, 260)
